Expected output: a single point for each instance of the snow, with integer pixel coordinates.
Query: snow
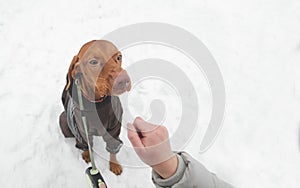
(256, 44)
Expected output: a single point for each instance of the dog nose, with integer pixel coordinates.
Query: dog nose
(123, 80)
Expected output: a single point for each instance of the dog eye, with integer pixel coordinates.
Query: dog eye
(119, 58)
(93, 62)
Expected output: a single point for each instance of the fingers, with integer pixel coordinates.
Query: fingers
(133, 136)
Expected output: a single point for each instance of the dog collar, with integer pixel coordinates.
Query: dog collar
(99, 100)
(95, 101)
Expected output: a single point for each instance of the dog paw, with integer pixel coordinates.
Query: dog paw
(86, 156)
(115, 167)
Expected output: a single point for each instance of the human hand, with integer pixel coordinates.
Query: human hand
(151, 143)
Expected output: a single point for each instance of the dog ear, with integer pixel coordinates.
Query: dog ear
(72, 70)
(75, 62)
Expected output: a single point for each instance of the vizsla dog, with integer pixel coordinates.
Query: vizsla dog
(97, 67)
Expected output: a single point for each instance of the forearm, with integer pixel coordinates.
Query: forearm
(167, 168)
(189, 173)
(160, 181)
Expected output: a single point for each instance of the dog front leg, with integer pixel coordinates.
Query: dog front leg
(114, 165)
(86, 156)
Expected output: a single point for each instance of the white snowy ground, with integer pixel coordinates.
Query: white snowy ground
(256, 44)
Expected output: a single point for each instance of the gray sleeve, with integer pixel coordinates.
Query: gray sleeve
(111, 137)
(75, 124)
(190, 173)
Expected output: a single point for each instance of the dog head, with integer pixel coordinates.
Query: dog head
(98, 69)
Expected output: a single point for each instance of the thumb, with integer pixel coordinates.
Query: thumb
(142, 125)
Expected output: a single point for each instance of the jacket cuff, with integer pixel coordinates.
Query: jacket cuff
(114, 147)
(175, 178)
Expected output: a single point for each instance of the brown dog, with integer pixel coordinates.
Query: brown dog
(98, 69)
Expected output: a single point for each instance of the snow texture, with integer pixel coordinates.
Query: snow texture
(256, 44)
